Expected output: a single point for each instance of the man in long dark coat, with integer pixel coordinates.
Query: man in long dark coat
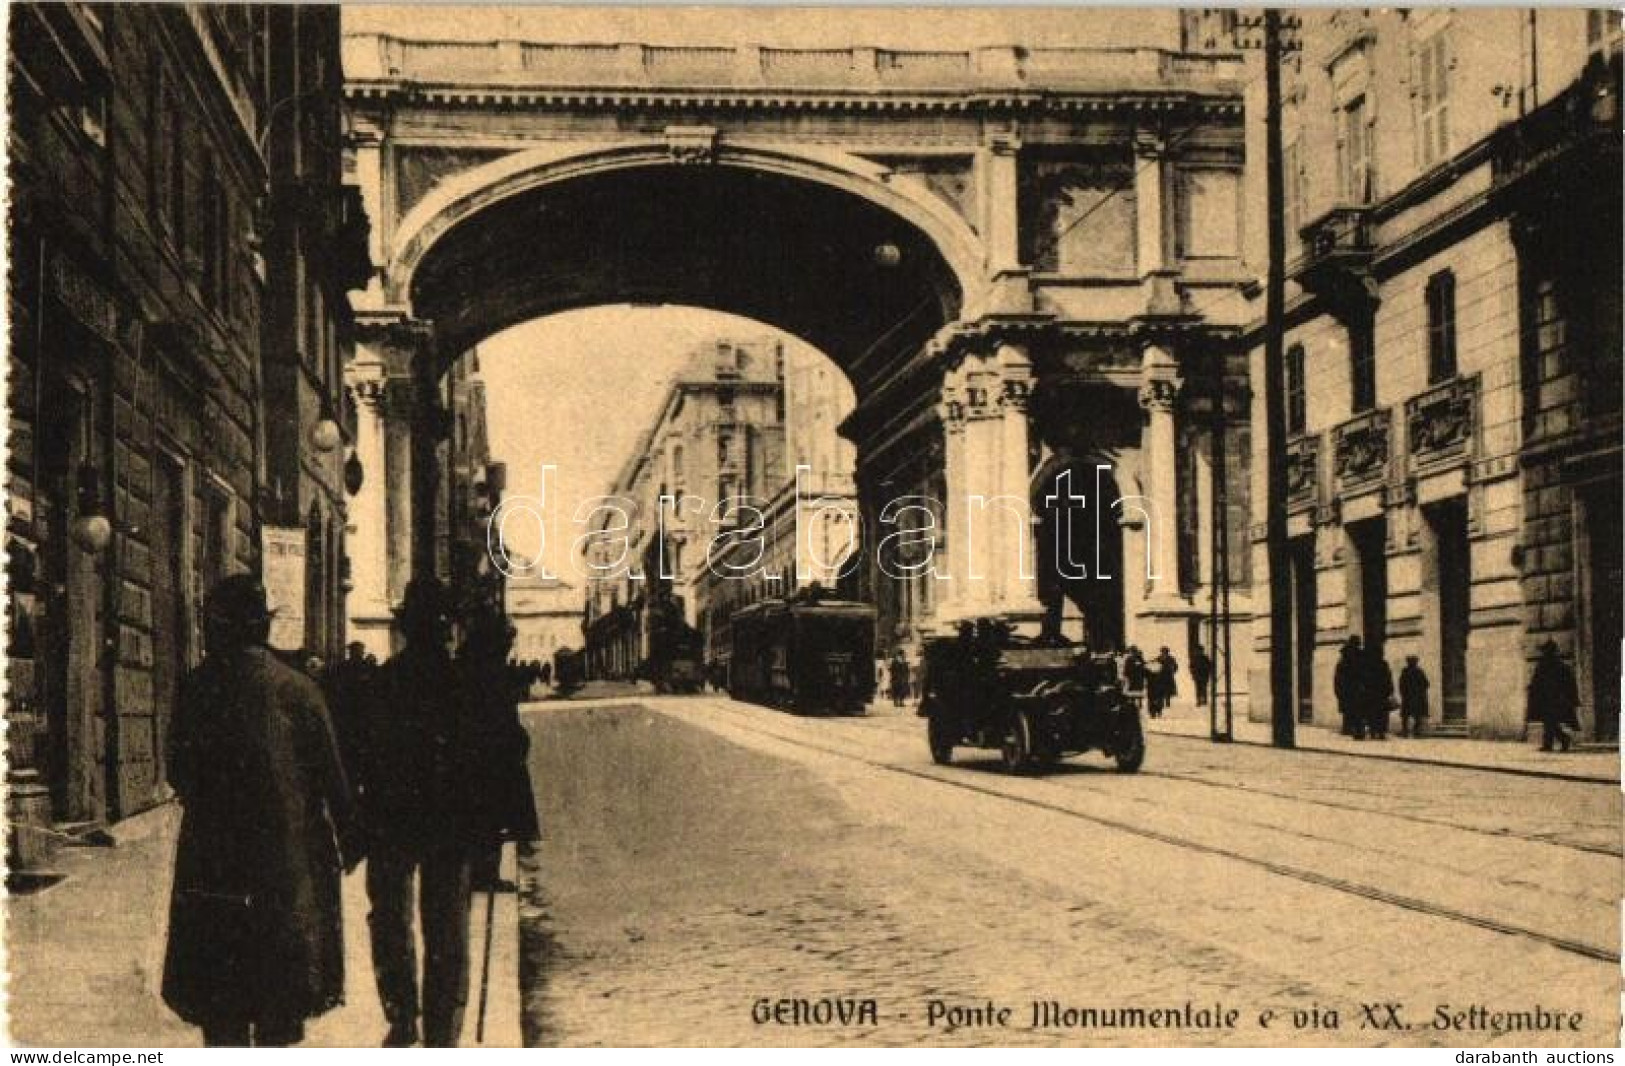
(415, 804)
(1347, 685)
(1413, 697)
(1201, 673)
(1376, 693)
(1554, 698)
(502, 805)
(256, 944)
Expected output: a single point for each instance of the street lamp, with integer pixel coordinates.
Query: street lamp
(325, 436)
(888, 255)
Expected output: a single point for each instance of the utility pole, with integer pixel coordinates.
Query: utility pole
(1282, 720)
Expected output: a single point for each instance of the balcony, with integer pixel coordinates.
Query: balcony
(1440, 423)
(1337, 251)
(1360, 450)
(1302, 472)
(1565, 138)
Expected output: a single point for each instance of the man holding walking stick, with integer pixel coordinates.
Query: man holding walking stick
(438, 793)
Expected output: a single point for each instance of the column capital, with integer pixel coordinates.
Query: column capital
(951, 409)
(1160, 394)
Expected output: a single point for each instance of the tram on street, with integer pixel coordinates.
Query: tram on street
(807, 654)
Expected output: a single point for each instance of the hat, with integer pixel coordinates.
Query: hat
(238, 600)
(425, 599)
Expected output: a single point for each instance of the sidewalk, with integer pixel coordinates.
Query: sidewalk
(85, 956)
(1185, 719)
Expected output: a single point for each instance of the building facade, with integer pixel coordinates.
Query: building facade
(546, 616)
(137, 462)
(315, 250)
(1452, 355)
(719, 436)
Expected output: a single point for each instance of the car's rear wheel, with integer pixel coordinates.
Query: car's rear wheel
(940, 740)
(1129, 751)
(1017, 749)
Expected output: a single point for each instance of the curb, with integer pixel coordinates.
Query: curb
(1521, 771)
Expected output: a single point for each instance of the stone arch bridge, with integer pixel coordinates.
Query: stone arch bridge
(1027, 260)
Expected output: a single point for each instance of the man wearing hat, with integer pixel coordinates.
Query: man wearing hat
(1553, 698)
(256, 943)
(414, 802)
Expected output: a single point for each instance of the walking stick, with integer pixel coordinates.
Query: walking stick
(485, 964)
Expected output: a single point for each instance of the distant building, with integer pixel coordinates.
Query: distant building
(1452, 354)
(727, 429)
(546, 616)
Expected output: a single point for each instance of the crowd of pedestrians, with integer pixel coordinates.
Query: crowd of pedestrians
(417, 766)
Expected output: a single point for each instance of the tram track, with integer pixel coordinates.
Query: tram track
(754, 724)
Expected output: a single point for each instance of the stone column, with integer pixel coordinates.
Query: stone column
(398, 475)
(1159, 393)
(950, 592)
(1019, 585)
(367, 533)
(991, 465)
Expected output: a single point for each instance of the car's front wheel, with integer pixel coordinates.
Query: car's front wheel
(1129, 751)
(1018, 749)
(940, 739)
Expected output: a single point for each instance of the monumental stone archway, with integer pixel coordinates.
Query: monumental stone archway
(1010, 252)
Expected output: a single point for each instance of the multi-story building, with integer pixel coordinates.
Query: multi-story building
(136, 466)
(315, 249)
(810, 528)
(1452, 196)
(719, 436)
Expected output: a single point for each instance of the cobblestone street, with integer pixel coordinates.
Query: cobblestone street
(702, 855)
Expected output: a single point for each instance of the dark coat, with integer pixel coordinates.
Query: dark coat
(496, 747)
(414, 791)
(1346, 681)
(1163, 685)
(1554, 697)
(1201, 668)
(899, 678)
(255, 923)
(1413, 691)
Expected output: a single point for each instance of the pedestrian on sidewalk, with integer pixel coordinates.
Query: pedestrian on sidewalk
(1201, 674)
(1346, 685)
(1134, 675)
(1413, 697)
(351, 688)
(415, 795)
(496, 749)
(256, 943)
(1162, 682)
(1554, 698)
(899, 680)
(1378, 694)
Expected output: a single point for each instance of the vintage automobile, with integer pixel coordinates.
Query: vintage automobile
(1034, 700)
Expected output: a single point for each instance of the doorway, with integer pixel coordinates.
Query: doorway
(1305, 599)
(1080, 546)
(1601, 575)
(1447, 523)
(1368, 584)
(171, 615)
(71, 689)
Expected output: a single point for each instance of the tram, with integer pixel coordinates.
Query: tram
(808, 654)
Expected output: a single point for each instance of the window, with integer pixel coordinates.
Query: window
(1441, 304)
(209, 219)
(1292, 193)
(156, 103)
(1602, 33)
(1431, 93)
(1296, 407)
(1363, 368)
(1354, 151)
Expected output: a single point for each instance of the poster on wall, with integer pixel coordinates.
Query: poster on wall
(284, 555)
